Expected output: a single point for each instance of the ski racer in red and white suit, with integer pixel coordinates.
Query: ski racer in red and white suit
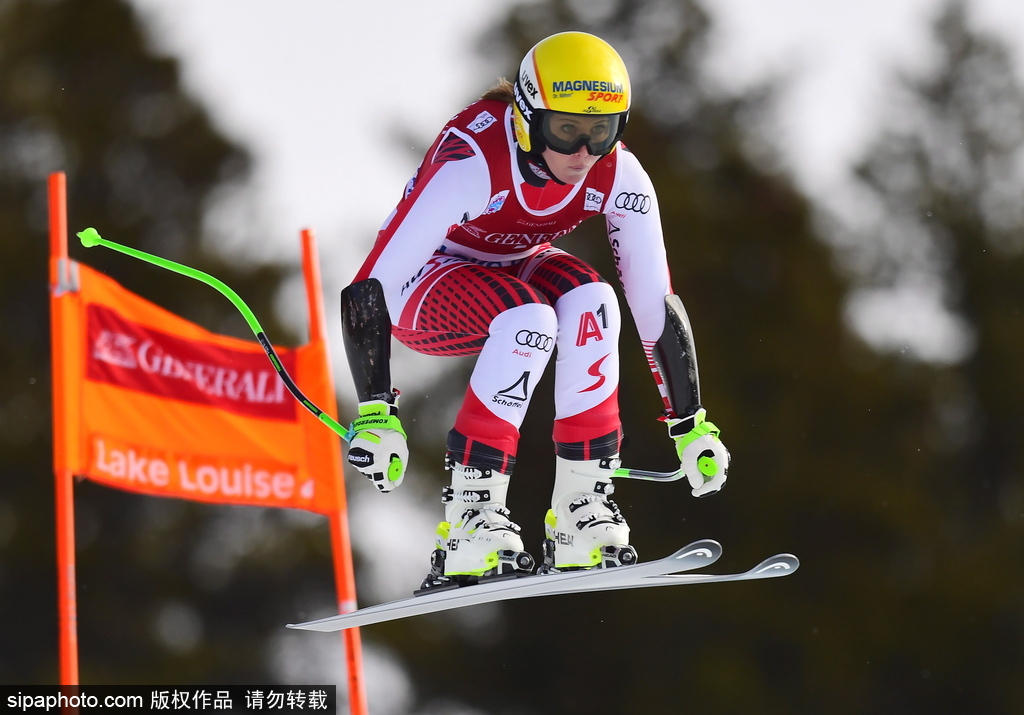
(470, 244)
(466, 266)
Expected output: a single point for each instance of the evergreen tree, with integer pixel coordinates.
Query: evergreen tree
(168, 591)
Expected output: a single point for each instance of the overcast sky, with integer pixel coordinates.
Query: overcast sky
(318, 90)
(317, 87)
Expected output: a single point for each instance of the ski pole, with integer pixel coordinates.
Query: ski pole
(90, 237)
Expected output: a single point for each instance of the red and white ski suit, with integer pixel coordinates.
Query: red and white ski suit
(467, 267)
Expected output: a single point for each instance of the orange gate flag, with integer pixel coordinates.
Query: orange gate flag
(161, 406)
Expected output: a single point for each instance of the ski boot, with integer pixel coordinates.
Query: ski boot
(477, 540)
(584, 528)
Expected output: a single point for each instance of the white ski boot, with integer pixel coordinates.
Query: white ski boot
(477, 539)
(584, 528)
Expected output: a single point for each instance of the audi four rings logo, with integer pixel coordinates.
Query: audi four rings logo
(641, 203)
(533, 339)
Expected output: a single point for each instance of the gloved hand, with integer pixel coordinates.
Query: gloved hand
(378, 449)
(702, 456)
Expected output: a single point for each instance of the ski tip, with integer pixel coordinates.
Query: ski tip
(778, 565)
(706, 548)
(297, 626)
(325, 625)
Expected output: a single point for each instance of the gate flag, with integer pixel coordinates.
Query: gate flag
(170, 409)
(147, 401)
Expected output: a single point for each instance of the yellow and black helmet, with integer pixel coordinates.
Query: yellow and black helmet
(572, 90)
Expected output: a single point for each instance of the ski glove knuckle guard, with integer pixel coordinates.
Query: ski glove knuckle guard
(702, 456)
(378, 448)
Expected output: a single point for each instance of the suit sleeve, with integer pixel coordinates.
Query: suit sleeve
(452, 185)
(635, 234)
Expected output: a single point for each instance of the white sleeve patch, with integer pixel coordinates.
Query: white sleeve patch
(482, 121)
(594, 200)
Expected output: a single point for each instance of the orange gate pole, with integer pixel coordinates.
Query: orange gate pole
(341, 546)
(60, 277)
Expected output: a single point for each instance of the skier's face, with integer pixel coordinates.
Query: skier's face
(570, 168)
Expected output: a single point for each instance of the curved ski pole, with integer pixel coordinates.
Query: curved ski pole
(627, 473)
(624, 473)
(90, 237)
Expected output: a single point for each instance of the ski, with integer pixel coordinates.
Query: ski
(694, 556)
(772, 567)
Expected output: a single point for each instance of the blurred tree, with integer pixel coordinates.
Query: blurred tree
(168, 591)
(945, 180)
(895, 481)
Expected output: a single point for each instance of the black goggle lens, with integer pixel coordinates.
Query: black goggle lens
(568, 133)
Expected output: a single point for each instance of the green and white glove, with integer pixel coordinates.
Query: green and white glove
(378, 449)
(702, 456)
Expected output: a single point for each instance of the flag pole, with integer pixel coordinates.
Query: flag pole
(60, 279)
(341, 546)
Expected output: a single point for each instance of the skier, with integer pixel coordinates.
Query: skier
(465, 265)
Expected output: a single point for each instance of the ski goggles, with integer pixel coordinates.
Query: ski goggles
(568, 133)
